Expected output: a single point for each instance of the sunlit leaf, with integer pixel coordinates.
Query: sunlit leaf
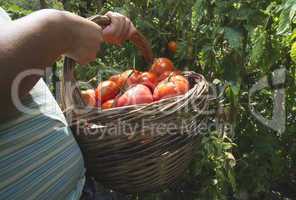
(287, 15)
(293, 52)
(284, 23)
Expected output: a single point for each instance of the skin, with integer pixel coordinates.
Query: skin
(38, 40)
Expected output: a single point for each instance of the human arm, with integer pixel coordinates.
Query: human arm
(37, 40)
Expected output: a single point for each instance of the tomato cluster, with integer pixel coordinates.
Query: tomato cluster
(134, 87)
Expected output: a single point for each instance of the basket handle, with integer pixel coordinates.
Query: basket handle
(70, 96)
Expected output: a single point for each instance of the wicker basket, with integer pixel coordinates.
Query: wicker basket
(137, 148)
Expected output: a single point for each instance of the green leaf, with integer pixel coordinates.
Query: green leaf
(234, 37)
(196, 14)
(258, 38)
(232, 179)
(286, 17)
(216, 81)
(293, 52)
(293, 36)
(232, 65)
(292, 13)
(284, 23)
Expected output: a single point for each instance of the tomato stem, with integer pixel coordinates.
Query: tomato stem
(170, 76)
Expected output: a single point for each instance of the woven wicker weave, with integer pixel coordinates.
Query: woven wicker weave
(141, 147)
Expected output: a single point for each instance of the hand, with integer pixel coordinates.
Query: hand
(86, 38)
(120, 29)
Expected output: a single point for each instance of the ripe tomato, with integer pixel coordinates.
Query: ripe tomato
(133, 77)
(108, 104)
(171, 87)
(118, 79)
(137, 94)
(167, 74)
(89, 97)
(161, 65)
(149, 79)
(127, 78)
(172, 46)
(183, 82)
(106, 90)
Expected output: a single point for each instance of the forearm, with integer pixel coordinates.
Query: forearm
(32, 42)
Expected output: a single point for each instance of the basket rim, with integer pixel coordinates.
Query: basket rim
(154, 102)
(197, 90)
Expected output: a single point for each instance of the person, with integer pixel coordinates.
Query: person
(39, 157)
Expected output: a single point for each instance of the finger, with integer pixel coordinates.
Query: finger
(112, 32)
(110, 14)
(120, 34)
(126, 29)
(118, 30)
(123, 29)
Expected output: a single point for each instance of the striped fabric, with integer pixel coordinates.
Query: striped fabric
(39, 157)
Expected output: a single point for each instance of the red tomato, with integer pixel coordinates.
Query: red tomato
(167, 74)
(137, 94)
(172, 46)
(171, 87)
(108, 104)
(149, 79)
(89, 97)
(106, 90)
(127, 78)
(161, 65)
(118, 79)
(183, 83)
(133, 77)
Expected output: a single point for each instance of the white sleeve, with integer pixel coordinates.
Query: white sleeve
(4, 17)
